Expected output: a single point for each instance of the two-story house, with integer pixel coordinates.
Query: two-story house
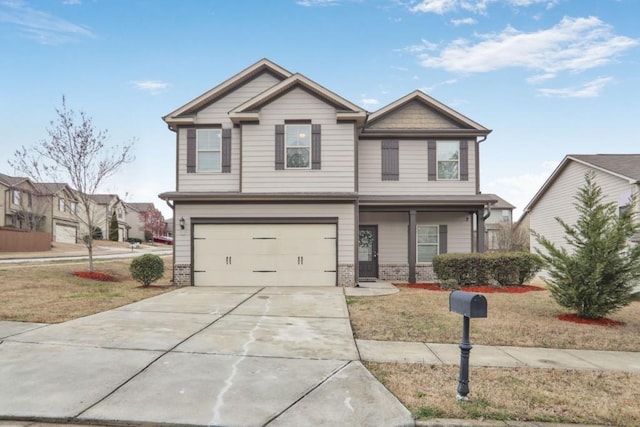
(282, 182)
(17, 205)
(61, 219)
(134, 219)
(102, 207)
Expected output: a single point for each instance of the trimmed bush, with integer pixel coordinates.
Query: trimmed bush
(505, 268)
(146, 269)
(134, 240)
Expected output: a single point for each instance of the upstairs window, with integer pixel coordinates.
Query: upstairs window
(448, 157)
(209, 150)
(61, 204)
(72, 207)
(298, 146)
(427, 242)
(17, 197)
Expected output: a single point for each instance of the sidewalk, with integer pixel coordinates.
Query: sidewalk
(101, 249)
(481, 355)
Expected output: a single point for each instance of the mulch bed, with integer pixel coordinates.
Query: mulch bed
(601, 321)
(96, 275)
(482, 289)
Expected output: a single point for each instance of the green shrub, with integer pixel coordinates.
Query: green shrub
(146, 269)
(134, 240)
(503, 268)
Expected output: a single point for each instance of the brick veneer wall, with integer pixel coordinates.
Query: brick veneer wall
(346, 275)
(400, 272)
(182, 274)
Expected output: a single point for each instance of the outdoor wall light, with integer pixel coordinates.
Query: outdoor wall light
(182, 223)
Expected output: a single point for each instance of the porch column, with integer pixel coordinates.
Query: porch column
(480, 236)
(412, 246)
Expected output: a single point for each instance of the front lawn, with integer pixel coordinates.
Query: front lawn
(51, 293)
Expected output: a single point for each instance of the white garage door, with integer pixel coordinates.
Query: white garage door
(264, 254)
(65, 234)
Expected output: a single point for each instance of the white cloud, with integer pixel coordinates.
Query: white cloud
(424, 45)
(313, 3)
(590, 89)
(574, 44)
(151, 86)
(520, 3)
(369, 102)
(41, 26)
(463, 21)
(435, 6)
(440, 7)
(428, 89)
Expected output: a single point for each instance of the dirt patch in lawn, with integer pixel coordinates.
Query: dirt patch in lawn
(518, 394)
(527, 320)
(51, 293)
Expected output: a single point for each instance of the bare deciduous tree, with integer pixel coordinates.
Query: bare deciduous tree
(510, 238)
(33, 210)
(76, 153)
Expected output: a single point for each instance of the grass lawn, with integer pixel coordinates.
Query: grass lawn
(525, 394)
(50, 293)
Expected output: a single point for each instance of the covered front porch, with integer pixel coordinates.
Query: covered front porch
(399, 237)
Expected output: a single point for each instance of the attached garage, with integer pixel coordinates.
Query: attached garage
(65, 233)
(268, 254)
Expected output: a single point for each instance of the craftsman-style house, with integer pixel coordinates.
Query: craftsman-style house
(282, 182)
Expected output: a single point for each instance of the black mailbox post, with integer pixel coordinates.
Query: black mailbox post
(469, 305)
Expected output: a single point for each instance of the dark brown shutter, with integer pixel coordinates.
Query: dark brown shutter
(191, 150)
(464, 160)
(432, 160)
(279, 147)
(442, 238)
(316, 146)
(226, 151)
(390, 161)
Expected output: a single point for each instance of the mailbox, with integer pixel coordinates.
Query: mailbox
(468, 304)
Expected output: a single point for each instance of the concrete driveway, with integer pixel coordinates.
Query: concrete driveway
(198, 356)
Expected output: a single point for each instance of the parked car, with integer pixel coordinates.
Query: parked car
(163, 239)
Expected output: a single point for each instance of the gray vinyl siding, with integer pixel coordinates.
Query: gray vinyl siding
(336, 173)
(413, 165)
(218, 114)
(209, 181)
(393, 232)
(559, 198)
(344, 212)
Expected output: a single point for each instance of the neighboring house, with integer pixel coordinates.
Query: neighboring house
(102, 206)
(618, 175)
(501, 216)
(134, 221)
(19, 206)
(283, 182)
(61, 211)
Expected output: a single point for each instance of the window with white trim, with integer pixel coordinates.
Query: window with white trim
(297, 146)
(427, 242)
(61, 204)
(209, 150)
(72, 207)
(17, 197)
(448, 158)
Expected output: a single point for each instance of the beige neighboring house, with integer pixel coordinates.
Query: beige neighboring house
(136, 226)
(501, 214)
(19, 204)
(618, 175)
(62, 207)
(281, 181)
(102, 207)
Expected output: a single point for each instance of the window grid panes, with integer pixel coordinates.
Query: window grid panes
(209, 150)
(16, 197)
(297, 146)
(448, 155)
(61, 205)
(427, 241)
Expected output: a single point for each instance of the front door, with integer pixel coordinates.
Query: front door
(368, 251)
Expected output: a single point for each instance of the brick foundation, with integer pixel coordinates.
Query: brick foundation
(346, 275)
(182, 274)
(400, 273)
(424, 273)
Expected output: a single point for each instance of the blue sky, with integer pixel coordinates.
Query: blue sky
(550, 77)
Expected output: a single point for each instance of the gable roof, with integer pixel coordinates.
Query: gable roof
(501, 203)
(183, 113)
(12, 181)
(624, 166)
(139, 206)
(103, 199)
(345, 110)
(466, 125)
(51, 188)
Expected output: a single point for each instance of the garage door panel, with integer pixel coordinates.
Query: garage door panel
(265, 254)
(65, 233)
